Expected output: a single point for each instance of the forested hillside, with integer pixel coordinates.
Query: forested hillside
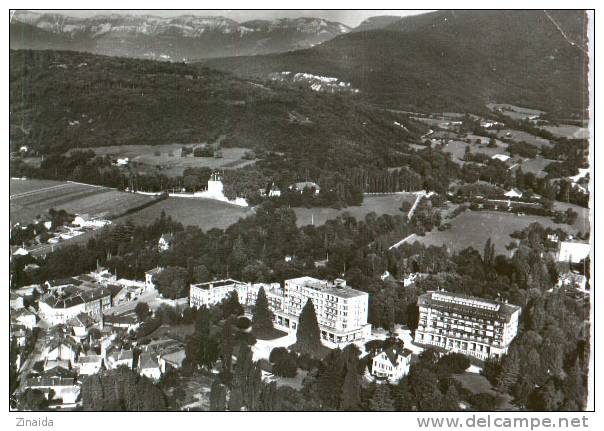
(451, 60)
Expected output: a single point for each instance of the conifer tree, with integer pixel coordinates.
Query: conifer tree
(308, 335)
(351, 389)
(217, 397)
(262, 320)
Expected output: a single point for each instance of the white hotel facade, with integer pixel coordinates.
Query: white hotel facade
(341, 311)
(463, 324)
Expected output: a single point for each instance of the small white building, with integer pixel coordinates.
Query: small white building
(501, 157)
(25, 318)
(513, 193)
(150, 277)
(148, 366)
(89, 365)
(66, 389)
(84, 220)
(573, 252)
(303, 185)
(122, 162)
(165, 241)
(16, 301)
(391, 364)
(117, 358)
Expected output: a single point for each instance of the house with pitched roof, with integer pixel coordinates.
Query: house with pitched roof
(89, 364)
(25, 317)
(148, 366)
(119, 357)
(391, 364)
(16, 301)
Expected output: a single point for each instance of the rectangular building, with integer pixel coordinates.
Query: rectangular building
(341, 311)
(472, 326)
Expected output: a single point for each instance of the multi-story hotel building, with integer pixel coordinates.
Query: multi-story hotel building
(213, 292)
(463, 324)
(341, 311)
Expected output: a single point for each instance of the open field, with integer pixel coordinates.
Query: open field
(582, 223)
(457, 149)
(204, 213)
(568, 131)
(169, 159)
(30, 198)
(380, 204)
(473, 228)
(520, 136)
(536, 166)
(514, 112)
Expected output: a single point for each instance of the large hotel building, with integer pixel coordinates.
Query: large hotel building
(463, 324)
(341, 311)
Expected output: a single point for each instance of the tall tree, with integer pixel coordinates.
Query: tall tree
(262, 319)
(217, 397)
(308, 335)
(227, 351)
(351, 389)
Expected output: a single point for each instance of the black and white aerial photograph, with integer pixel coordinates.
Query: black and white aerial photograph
(338, 210)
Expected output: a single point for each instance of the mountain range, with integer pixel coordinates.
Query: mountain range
(179, 38)
(450, 60)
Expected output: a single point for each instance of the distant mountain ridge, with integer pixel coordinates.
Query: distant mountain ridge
(377, 22)
(179, 38)
(455, 60)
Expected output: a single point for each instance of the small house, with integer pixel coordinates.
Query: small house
(391, 363)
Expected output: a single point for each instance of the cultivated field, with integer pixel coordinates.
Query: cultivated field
(380, 204)
(168, 157)
(473, 228)
(30, 198)
(204, 213)
(457, 149)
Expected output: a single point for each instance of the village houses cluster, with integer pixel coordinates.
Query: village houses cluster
(83, 323)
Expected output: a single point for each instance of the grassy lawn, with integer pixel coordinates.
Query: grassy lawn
(380, 204)
(582, 223)
(204, 213)
(478, 384)
(473, 228)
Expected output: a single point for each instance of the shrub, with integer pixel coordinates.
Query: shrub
(277, 354)
(243, 323)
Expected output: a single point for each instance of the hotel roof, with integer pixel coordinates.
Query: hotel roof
(467, 305)
(218, 283)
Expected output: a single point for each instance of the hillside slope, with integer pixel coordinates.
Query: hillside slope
(455, 60)
(64, 100)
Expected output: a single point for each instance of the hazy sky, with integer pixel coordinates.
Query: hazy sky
(351, 18)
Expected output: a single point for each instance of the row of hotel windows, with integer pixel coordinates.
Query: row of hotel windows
(456, 343)
(464, 317)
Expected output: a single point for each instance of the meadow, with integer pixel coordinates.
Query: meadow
(205, 213)
(568, 131)
(474, 228)
(167, 158)
(380, 204)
